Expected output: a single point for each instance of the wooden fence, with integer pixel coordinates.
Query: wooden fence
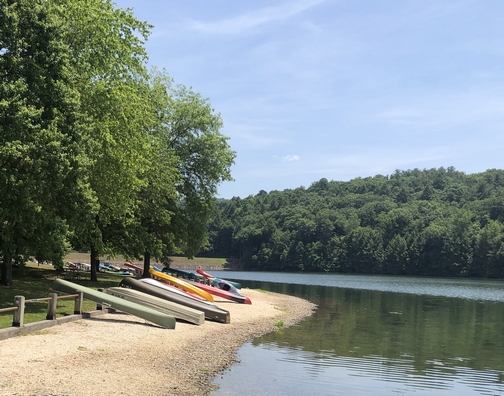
(18, 309)
(20, 301)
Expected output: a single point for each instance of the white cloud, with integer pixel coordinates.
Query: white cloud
(290, 158)
(253, 19)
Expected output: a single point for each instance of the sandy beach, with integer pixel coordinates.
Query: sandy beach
(119, 354)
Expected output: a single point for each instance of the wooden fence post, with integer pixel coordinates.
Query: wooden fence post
(18, 321)
(52, 304)
(78, 303)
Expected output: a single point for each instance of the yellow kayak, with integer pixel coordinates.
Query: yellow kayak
(182, 284)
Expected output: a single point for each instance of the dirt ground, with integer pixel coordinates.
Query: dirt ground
(119, 354)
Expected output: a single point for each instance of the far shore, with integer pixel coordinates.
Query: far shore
(207, 263)
(119, 354)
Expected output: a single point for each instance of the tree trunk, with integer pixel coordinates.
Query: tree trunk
(146, 273)
(95, 263)
(7, 269)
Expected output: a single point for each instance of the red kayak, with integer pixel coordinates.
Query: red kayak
(214, 279)
(205, 274)
(134, 267)
(227, 294)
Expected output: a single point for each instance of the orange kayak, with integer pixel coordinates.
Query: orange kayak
(182, 284)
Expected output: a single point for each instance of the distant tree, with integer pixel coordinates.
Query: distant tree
(364, 250)
(489, 252)
(396, 260)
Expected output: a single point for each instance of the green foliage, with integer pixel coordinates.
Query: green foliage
(95, 152)
(279, 324)
(436, 222)
(109, 65)
(41, 124)
(187, 159)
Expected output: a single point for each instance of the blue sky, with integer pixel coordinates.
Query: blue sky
(332, 89)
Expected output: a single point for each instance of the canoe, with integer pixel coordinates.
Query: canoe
(182, 284)
(212, 278)
(229, 295)
(132, 308)
(178, 311)
(211, 311)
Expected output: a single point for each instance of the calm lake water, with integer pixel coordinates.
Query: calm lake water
(376, 335)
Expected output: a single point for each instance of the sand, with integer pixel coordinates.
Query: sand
(119, 354)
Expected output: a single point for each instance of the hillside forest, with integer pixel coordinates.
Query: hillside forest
(435, 222)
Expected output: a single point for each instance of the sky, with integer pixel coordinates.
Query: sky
(339, 89)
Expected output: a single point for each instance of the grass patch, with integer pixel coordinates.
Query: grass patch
(33, 281)
(203, 262)
(279, 324)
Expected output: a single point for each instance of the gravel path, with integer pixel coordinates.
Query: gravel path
(119, 354)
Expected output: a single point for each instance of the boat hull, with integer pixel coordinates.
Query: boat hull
(132, 308)
(211, 311)
(182, 284)
(211, 277)
(178, 311)
(223, 293)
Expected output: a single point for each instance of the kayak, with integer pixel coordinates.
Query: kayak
(211, 311)
(134, 267)
(182, 284)
(173, 289)
(227, 294)
(208, 276)
(181, 273)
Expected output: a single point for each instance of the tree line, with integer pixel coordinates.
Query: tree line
(431, 222)
(97, 152)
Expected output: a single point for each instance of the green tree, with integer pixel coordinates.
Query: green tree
(41, 161)
(364, 250)
(109, 62)
(396, 256)
(488, 259)
(204, 161)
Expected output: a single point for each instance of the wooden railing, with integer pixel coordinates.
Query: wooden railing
(20, 301)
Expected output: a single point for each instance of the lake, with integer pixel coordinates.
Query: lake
(376, 335)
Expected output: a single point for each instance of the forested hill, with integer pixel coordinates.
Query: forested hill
(437, 222)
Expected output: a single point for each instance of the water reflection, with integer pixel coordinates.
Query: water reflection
(281, 371)
(473, 289)
(375, 342)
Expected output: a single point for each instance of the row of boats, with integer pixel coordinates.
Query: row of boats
(166, 296)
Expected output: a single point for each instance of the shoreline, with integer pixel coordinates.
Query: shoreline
(119, 354)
